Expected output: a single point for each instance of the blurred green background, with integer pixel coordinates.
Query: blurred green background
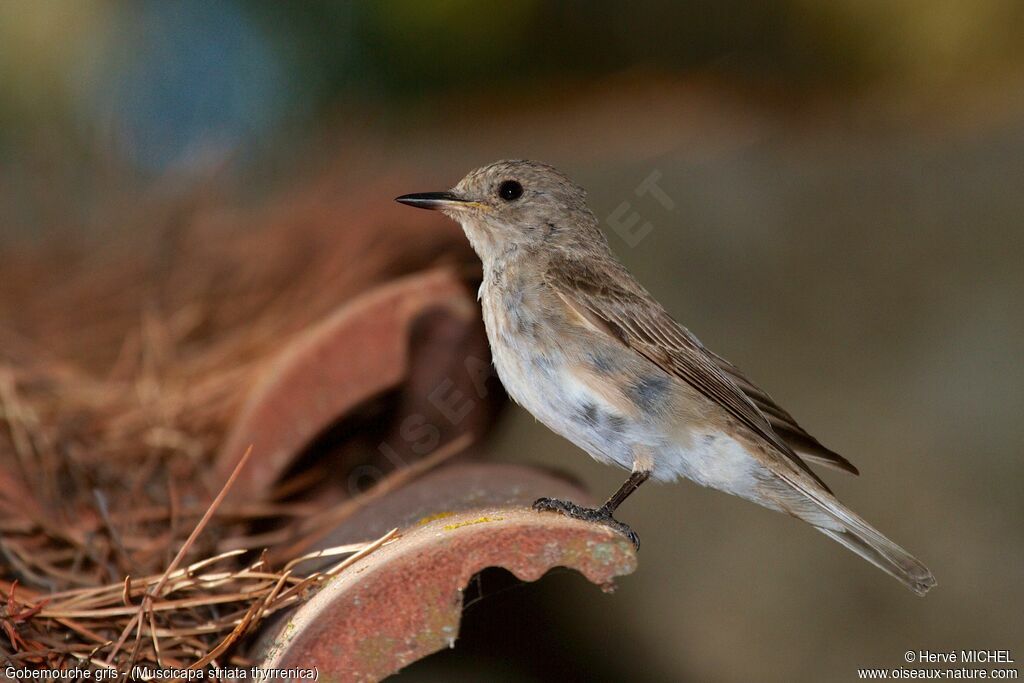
(846, 181)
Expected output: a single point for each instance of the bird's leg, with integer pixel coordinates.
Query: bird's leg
(603, 514)
(630, 485)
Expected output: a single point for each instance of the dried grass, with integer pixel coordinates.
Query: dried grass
(120, 372)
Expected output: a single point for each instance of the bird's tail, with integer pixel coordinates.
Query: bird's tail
(835, 520)
(886, 555)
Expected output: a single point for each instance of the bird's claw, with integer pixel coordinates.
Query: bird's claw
(597, 515)
(568, 508)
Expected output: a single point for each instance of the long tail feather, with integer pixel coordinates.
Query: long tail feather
(820, 508)
(887, 556)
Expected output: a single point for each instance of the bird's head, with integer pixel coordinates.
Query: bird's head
(511, 204)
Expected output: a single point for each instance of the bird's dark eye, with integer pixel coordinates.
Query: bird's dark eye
(510, 190)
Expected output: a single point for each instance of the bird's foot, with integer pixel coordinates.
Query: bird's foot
(601, 515)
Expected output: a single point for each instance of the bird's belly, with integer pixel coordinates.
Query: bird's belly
(545, 386)
(714, 459)
(677, 445)
(542, 384)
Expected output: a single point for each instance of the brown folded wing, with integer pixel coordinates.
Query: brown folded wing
(607, 296)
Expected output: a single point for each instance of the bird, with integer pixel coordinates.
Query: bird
(578, 342)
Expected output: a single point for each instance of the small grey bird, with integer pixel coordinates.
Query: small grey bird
(582, 345)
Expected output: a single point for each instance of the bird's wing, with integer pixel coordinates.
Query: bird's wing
(607, 296)
(782, 422)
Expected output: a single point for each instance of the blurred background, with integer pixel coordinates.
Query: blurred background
(842, 219)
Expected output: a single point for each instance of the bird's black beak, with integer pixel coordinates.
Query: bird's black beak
(430, 200)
